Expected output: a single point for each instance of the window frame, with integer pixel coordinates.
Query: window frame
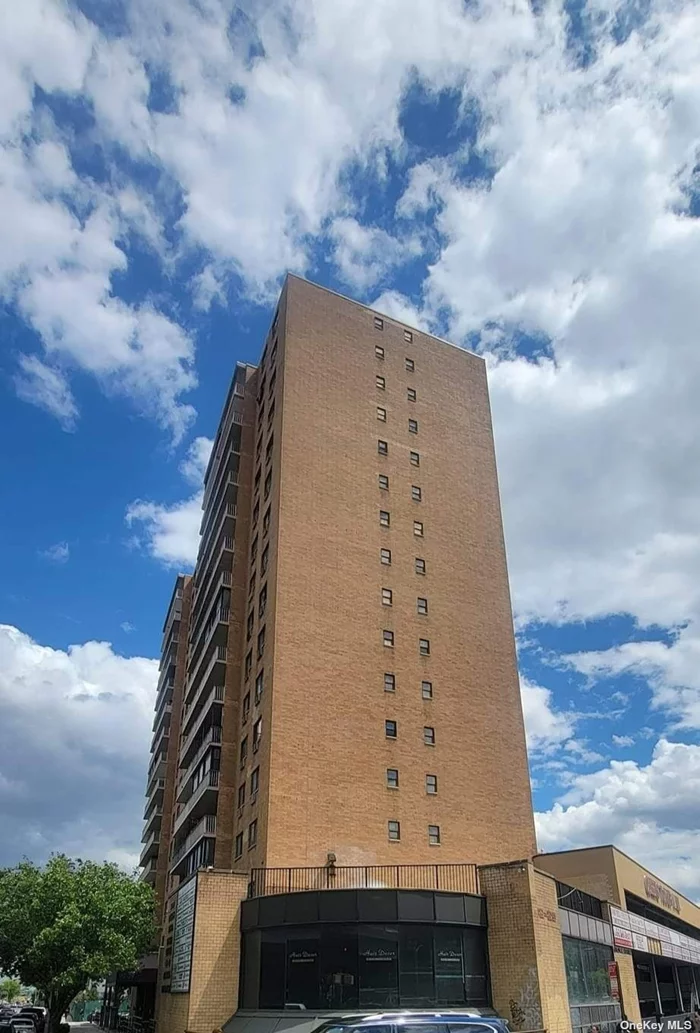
(422, 570)
(410, 365)
(415, 458)
(431, 787)
(434, 835)
(393, 829)
(426, 693)
(385, 557)
(416, 493)
(389, 681)
(382, 447)
(418, 529)
(429, 735)
(412, 426)
(387, 597)
(395, 725)
(379, 352)
(392, 782)
(384, 518)
(388, 638)
(380, 382)
(381, 414)
(422, 606)
(424, 647)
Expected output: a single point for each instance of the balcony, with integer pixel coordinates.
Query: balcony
(206, 826)
(148, 872)
(170, 652)
(150, 848)
(213, 669)
(212, 737)
(202, 801)
(166, 681)
(218, 557)
(223, 507)
(164, 711)
(156, 769)
(160, 741)
(153, 823)
(215, 630)
(211, 705)
(154, 795)
(449, 878)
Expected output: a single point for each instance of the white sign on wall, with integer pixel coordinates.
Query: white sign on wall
(183, 934)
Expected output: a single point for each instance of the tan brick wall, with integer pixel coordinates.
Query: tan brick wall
(628, 984)
(528, 978)
(592, 871)
(214, 979)
(550, 954)
(329, 754)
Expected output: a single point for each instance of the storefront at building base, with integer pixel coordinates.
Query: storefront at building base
(524, 940)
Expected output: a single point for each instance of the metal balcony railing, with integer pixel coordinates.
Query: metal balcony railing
(451, 878)
(206, 826)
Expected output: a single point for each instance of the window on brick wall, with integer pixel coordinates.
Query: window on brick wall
(390, 729)
(241, 794)
(392, 778)
(384, 517)
(431, 785)
(252, 833)
(254, 783)
(259, 687)
(426, 689)
(411, 394)
(238, 849)
(378, 323)
(424, 646)
(420, 565)
(261, 642)
(388, 638)
(245, 711)
(382, 448)
(387, 597)
(243, 752)
(415, 458)
(410, 365)
(389, 682)
(385, 556)
(381, 414)
(248, 663)
(422, 606)
(383, 482)
(413, 426)
(378, 351)
(394, 831)
(434, 835)
(416, 493)
(381, 383)
(429, 736)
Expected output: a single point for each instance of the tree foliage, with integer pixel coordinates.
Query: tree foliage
(10, 989)
(71, 922)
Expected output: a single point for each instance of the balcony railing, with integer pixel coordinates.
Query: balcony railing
(210, 781)
(206, 826)
(153, 822)
(150, 847)
(215, 696)
(212, 736)
(218, 656)
(212, 561)
(154, 789)
(165, 707)
(148, 873)
(451, 878)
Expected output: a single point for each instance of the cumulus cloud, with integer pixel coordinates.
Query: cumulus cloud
(74, 741)
(650, 812)
(545, 726)
(171, 533)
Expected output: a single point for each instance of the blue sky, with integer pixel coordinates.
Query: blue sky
(522, 180)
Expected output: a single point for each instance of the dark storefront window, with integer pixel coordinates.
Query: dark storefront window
(334, 966)
(587, 976)
(646, 991)
(667, 987)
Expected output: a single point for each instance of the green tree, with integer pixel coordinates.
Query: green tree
(10, 989)
(71, 922)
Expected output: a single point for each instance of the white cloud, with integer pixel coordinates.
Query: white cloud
(364, 255)
(623, 740)
(545, 726)
(59, 553)
(47, 388)
(651, 812)
(171, 533)
(127, 627)
(84, 715)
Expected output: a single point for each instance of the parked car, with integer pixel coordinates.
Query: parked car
(35, 1012)
(17, 1024)
(417, 1022)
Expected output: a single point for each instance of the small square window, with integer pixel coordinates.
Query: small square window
(424, 647)
(415, 459)
(241, 794)
(422, 606)
(392, 778)
(431, 785)
(384, 518)
(378, 351)
(416, 493)
(390, 683)
(382, 448)
(390, 729)
(252, 834)
(411, 394)
(385, 556)
(381, 414)
(388, 638)
(407, 335)
(394, 830)
(410, 365)
(246, 707)
(381, 383)
(238, 851)
(429, 736)
(420, 565)
(383, 482)
(378, 323)
(387, 597)
(434, 835)
(418, 528)
(413, 426)
(259, 687)
(426, 689)
(248, 663)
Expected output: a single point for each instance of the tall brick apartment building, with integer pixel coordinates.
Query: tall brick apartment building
(339, 780)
